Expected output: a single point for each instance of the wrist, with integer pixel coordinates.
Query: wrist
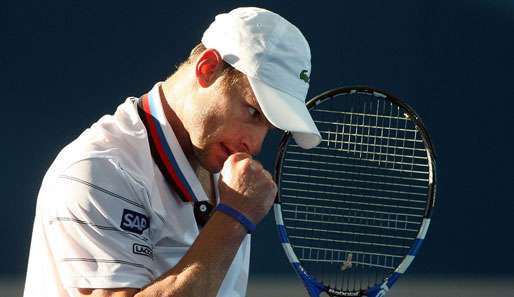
(238, 216)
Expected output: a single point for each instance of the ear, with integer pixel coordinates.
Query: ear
(208, 67)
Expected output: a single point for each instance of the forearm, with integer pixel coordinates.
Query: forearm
(202, 269)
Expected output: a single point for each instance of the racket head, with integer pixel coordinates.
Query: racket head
(345, 210)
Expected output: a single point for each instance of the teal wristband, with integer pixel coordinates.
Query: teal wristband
(250, 227)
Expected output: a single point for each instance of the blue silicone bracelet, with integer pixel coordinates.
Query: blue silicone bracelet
(250, 227)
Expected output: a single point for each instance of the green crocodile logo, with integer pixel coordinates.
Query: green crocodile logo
(304, 76)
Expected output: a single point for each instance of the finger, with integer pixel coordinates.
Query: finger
(256, 166)
(267, 175)
(236, 157)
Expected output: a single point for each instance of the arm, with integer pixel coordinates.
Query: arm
(245, 186)
(203, 268)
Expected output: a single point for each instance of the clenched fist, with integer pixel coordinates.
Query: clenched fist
(246, 186)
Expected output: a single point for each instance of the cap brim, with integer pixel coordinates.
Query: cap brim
(287, 113)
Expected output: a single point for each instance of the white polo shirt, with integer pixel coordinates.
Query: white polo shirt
(106, 216)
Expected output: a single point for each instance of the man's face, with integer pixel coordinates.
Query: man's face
(225, 120)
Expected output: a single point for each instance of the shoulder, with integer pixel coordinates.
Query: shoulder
(93, 181)
(116, 144)
(111, 158)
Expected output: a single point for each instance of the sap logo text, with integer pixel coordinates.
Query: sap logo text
(134, 222)
(142, 250)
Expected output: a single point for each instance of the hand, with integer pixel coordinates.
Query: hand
(246, 186)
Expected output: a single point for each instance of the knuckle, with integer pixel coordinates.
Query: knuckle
(229, 161)
(257, 163)
(241, 156)
(273, 187)
(246, 164)
(236, 157)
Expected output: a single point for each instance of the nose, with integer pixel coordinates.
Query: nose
(253, 137)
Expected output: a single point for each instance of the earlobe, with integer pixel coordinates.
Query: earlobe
(208, 64)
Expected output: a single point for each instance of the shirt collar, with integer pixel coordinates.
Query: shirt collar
(166, 150)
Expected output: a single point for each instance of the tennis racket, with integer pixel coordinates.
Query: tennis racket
(353, 212)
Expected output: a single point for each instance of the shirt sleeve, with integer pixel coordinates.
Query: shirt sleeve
(98, 226)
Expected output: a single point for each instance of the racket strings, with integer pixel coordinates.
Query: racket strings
(372, 145)
(353, 205)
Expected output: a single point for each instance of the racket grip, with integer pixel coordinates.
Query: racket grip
(236, 215)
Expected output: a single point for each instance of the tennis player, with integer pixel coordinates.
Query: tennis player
(160, 198)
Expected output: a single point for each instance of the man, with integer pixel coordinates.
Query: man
(123, 209)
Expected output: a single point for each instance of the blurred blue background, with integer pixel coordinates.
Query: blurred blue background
(65, 63)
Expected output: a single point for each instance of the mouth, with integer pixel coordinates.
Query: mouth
(226, 150)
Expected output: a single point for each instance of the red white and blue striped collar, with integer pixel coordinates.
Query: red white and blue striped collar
(166, 150)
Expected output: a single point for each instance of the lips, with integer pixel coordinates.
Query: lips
(226, 150)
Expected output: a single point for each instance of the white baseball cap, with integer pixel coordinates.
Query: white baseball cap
(276, 58)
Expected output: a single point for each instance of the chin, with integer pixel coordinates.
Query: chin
(213, 165)
(212, 168)
(216, 164)
(211, 160)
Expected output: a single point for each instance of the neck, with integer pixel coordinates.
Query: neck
(171, 105)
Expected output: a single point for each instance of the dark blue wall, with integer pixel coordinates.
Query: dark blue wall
(65, 63)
